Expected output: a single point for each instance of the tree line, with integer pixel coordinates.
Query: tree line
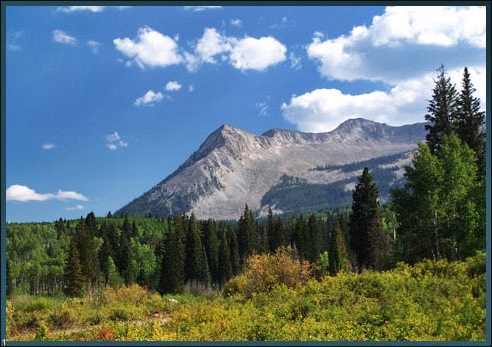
(438, 213)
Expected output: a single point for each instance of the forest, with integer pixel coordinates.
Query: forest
(412, 268)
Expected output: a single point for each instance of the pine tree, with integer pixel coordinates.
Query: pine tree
(196, 267)
(73, 278)
(234, 249)
(471, 121)
(378, 242)
(337, 252)
(364, 214)
(173, 262)
(442, 111)
(247, 233)
(211, 244)
(84, 241)
(224, 265)
(124, 253)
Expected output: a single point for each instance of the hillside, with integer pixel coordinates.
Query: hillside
(233, 167)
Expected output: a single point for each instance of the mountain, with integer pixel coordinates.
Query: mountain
(279, 168)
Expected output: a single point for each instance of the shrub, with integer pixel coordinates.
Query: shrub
(265, 271)
(106, 334)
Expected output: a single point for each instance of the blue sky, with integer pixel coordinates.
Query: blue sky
(102, 103)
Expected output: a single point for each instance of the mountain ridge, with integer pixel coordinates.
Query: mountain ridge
(233, 166)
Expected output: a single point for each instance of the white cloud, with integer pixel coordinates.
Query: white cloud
(114, 141)
(200, 8)
(191, 88)
(257, 54)
(381, 52)
(284, 22)
(150, 48)
(22, 193)
(243, 54)
(323, 110)
(173, 86)
(48, 146)
(236, 22)
(75, 208)
(62, 37)
(94, 46)
(149, 98)
(93, 9)
(295, 61)
(263, 108)
(70, 9)
(429, 25)
(211, 44)
(402, 49)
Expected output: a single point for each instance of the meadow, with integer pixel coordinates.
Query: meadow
(429, 301)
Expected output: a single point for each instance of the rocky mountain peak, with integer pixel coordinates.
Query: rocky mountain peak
(233, 167)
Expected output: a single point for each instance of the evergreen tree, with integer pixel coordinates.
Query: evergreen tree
(275, 232)
(247, 233)
(471, 121)
(124, 253)
(364, 214)
(442, 111)
(172, 266)
(378, 242)
(211, 244)
(234, 249)
(73, 278)
(84, 240)
(196, 267)
(224, 265)
(337, 252)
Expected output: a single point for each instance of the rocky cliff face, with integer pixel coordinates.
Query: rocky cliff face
(233, 167)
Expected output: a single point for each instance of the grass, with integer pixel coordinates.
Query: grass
(431, 301)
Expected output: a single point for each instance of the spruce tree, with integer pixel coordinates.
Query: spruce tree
(224, 264)
(172, 266)
(234, 249)
(441, 111)
(471, 121)
(196, 266)
(73, 277)
(364, 214)
(211, 244)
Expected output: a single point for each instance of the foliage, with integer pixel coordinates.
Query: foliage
(440, 208)
(264, 271)
(442, 111)
(430, 301)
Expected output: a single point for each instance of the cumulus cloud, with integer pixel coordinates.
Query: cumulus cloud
(62, 37)
(200, 8)
(149, 98)
(211, 44)
(75, 208)
(173, 86)
(257, 54)
(93, 9)
(94, 46)
(150, 48)
(401, 35)
(244, 54)
(114, 141)
(401, 50)
(323, 110)
(48, 146)
(22, 193)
